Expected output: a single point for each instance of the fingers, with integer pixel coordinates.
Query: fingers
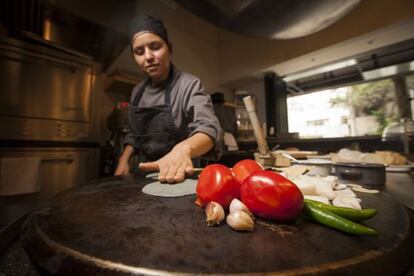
(189, 170)
(121, 170)
(172, 174)
(162, 175)
(172, 168)
(148, 166)
(179, 175)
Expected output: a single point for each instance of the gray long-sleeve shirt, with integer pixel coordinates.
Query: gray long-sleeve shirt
(191, 108)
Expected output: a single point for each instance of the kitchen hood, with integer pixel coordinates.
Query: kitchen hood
(279, 19)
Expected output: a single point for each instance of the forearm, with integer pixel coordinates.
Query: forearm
(196, 145)
(127, 153)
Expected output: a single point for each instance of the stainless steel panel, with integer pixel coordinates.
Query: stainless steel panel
(61, 168)
(41, 86)
(19, 128)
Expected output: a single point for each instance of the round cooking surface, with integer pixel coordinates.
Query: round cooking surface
(112, 228)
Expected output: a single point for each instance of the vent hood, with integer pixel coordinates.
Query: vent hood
(279, 19)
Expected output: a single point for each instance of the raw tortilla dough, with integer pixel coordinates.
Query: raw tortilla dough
(187, 187)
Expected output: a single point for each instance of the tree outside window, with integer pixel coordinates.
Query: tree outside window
(357, 110)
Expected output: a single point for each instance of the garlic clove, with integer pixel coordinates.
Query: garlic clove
(215, 213)
(237, 205)
(240, 221)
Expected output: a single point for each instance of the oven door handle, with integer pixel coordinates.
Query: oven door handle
(69, 159)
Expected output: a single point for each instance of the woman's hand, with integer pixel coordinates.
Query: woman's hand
(122, 168)
(123, 162)
(174, 166)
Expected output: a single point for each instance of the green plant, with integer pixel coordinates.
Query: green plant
(374, 98)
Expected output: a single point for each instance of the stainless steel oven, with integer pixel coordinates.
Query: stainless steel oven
(48, 111)
(59, 169)
(46, 94)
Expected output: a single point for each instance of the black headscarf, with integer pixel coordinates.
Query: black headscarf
(147, 23)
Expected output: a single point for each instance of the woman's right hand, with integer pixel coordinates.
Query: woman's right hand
(122, 168)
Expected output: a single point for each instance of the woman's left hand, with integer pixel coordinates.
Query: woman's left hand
(174, 166)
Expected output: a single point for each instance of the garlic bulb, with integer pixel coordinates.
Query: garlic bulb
(215, 213)
(240, 221)
(237, 205)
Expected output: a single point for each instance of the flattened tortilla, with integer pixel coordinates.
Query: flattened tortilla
(187, 187)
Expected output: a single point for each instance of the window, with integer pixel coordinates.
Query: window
(356, 110)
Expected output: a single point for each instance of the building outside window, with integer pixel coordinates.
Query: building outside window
(349, 111)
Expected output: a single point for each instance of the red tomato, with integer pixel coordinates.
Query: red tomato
(269, 195)
(216, 183)
(244, 168)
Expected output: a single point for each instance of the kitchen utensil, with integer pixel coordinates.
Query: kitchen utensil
(154, 175)
(265, 158)
(290, 157)
(298, 154)
(360, 173)
(258, 132)
(319, 167)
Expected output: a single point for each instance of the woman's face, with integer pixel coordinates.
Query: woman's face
(152, 55)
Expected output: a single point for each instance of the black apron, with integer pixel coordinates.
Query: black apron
(153, 128)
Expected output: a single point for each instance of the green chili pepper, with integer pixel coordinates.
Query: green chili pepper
(332, 220)
(348, 213)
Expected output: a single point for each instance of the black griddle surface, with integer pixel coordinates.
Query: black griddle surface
(111, 227)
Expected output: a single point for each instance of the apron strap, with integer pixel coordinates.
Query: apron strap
(140, 92)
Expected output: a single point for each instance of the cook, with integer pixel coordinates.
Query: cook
(171, 118)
